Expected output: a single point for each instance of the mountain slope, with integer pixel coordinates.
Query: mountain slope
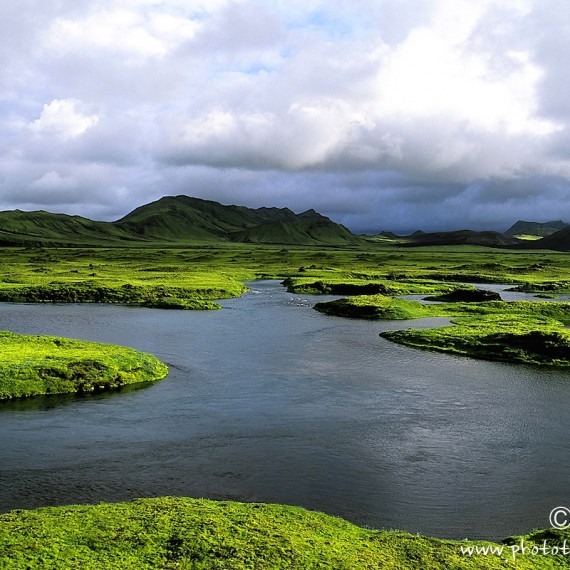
(462, 237)
(535, 228)
(40, 227)
(305, 231)
(182, 218)
(175, 219)
(559, 241)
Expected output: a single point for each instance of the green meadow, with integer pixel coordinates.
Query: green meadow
(371, 275)
(182, 533)
(203, 273)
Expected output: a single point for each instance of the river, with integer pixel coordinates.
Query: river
(268, 400)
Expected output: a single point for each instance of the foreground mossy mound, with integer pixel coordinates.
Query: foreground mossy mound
(182, 533)
(37, 365)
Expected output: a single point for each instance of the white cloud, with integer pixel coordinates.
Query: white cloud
(61, 118)
(133, 34)
(442, 94)
(433, 74)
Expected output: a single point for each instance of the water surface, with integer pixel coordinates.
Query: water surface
(268, 400)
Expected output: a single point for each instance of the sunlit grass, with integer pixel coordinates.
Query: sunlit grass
(530, 332)
(37, 365)
(178, 533)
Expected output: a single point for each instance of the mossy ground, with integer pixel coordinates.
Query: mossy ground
(151, 278)
(376, 307)
(181, 533)
(36, 365)
(195, 277)
(528, 332)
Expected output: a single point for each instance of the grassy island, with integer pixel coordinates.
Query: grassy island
(506, 339)
(36, 365)
(182, 533)
(528, 332)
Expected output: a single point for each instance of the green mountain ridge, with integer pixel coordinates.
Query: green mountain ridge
(41, 227)
(175, 219)
(186, 220)
(322, 231)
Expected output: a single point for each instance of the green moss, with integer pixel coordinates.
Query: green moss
(528, 237)
(159, 296)
(356, 287)
(36, 365)
(561, 286)
(530, 332)
(540, 346)
(374, 307)
(182, 533)
(152, 275)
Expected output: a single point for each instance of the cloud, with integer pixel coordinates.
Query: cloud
(381, 113)
(52, 181)
(62, 119)
(134, 34)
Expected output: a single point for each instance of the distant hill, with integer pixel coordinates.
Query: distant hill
(389, 235)
(44, 228)
(181, 218)
(542, 229)
(559, 241)
(175, 219)
(461, 237)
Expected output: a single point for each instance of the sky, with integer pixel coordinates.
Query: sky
(390, 115)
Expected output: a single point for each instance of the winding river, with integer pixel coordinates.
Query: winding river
(268, 400)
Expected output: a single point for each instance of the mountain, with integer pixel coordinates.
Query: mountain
(175, 219)
(44, 228)
(302, 231)
(559, 241)
(542, 229)
(181, 218)
(461, 237)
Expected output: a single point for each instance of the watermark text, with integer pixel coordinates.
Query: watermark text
(559, 519)
(515, 550)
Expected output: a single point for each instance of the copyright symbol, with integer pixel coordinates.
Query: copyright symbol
(560, 518)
